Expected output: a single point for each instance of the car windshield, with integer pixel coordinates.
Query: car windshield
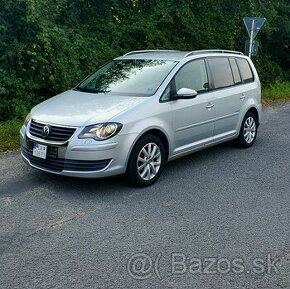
(128, 77)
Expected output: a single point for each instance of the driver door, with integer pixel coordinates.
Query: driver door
(193, 119)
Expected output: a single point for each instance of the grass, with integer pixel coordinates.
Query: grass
(9, 135)
(9, 130)
(276, 92)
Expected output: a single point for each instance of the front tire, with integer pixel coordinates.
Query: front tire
(146, 162)
(248, 131)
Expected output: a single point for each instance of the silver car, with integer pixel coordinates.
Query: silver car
(143, 109)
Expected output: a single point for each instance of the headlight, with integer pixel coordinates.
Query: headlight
(101, 131)
(27, 119)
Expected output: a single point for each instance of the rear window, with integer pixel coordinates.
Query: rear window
(245, 70)
(235, 70)
(221, 72)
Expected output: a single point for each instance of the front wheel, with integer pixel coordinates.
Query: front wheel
(248, 131)
(146, 161)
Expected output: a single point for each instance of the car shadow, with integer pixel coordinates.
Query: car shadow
(118, 185)
(120, 182)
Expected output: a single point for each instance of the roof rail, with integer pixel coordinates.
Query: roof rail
(212, 51)
(148, 51)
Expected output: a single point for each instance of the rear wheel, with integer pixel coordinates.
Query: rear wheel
(146, 161)
(248, 131)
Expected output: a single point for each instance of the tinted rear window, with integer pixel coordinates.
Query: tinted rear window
(235, 70)
(245, 69)
(221, 72)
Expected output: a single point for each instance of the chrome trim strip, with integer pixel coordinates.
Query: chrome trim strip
(195, 52)
(44, 141)
(92, 148)
(53, 124)
(149, 51)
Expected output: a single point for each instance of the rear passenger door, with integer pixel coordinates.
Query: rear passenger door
(225, 82)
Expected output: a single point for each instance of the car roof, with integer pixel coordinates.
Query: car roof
(174, 55)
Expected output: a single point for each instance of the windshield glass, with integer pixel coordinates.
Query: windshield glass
(128, 77)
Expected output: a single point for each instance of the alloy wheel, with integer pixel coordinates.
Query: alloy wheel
(249, 129)
(149, 161)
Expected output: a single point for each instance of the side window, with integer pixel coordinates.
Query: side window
(192, 75)
(221, 72)
(245, 69)
(235, 70)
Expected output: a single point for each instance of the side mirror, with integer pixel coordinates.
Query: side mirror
(185, 93)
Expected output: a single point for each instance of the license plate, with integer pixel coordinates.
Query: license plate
(39, 150)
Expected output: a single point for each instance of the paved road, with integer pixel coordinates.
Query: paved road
(216, 219)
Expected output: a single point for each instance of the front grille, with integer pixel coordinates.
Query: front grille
(57, 133)
(58, 165)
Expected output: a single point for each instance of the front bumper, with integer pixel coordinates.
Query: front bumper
(84, 158)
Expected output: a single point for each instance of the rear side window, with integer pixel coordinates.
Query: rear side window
(235, 70)
(245, 69)
(221, 72)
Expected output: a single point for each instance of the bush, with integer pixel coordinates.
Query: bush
(47, 47)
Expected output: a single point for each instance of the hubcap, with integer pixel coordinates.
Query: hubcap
(249, 129)
(149, 161)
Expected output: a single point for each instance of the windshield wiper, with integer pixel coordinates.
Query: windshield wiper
(102, 91)
(91, 90)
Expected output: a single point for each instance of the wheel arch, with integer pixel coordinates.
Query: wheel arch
(162, 136)
(156, 132)
(255, 112)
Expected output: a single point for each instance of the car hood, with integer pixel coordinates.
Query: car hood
(75, 108)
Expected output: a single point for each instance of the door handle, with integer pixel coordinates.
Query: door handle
(242, 97)
(209, 106)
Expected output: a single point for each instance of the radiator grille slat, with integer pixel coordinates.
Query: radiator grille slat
(57, 133)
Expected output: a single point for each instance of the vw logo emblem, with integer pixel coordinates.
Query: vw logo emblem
(45, 131)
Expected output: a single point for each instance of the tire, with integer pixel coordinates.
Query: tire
(146, 162)
(248, 131)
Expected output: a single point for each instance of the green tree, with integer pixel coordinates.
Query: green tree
(48, 46)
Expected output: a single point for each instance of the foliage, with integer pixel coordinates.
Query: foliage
(48, 46)
(276, 91)
(9, 135)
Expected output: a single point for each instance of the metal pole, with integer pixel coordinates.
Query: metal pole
(251, 38)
